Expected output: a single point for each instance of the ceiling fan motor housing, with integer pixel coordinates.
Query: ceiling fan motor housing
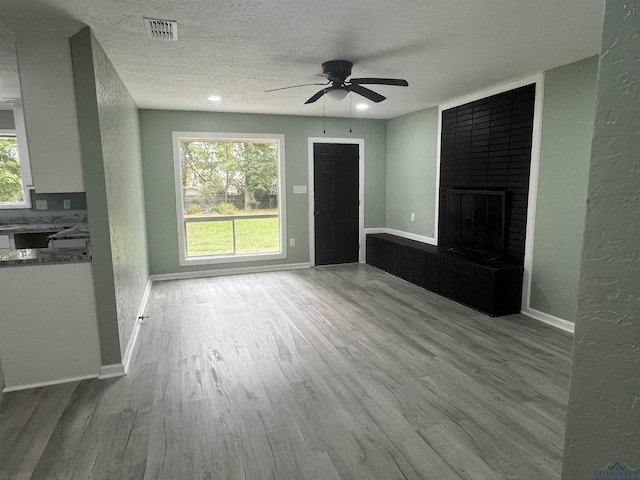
(337, 70)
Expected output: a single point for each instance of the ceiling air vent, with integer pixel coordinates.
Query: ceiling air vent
(161, 29)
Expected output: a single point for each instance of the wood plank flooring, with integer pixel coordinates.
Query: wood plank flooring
(340, 372)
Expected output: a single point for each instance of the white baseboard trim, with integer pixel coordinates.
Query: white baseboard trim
(47, 383)
(227, 271)
(412, 236)
(132, 345)
(556, 322)
(113, 370)
(400, 233)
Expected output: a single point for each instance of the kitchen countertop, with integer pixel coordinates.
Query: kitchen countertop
(78, 231)
(61, 227)
(40, 223)
(34, 228)
(39, 256)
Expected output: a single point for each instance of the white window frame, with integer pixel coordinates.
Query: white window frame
(282, 211)
(25, 168)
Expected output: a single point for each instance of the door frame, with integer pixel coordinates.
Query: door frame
(312, 227)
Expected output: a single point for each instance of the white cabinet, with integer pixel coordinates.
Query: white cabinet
(50, 116)
(5, 243)
(48, 324)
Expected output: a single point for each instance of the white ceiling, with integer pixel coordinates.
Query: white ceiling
(239, 48)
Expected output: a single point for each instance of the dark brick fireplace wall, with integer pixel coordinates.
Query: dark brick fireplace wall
(486, 144)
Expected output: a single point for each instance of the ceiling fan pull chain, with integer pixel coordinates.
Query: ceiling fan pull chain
(324, 116)
(350, 112)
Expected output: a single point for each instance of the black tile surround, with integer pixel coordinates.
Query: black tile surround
(494, 288)
(485, 144)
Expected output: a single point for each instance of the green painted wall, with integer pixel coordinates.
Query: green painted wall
(110, 143)
(603, 412)
(6, 120)
(96, 190)
(120, 134)
(157, 156)
(54, 201)
(568, 116)
(411, 172)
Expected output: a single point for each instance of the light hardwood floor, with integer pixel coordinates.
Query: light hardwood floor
(340, 372)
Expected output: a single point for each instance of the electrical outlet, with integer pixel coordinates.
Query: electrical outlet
(42, 205)
(413, 217)
(292, 242)
(66, 204)
(137, 278)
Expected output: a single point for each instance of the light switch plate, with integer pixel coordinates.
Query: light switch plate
(42, 205)
(299, 189)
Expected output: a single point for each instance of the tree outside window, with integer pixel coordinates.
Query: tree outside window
(230, 196)
(11, 187)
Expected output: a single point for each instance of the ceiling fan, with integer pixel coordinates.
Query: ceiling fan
(337, 72)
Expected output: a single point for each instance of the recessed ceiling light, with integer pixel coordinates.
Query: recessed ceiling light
(362, 106)
(214, 98)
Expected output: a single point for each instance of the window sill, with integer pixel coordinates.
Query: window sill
(15, 206)
(222, 259)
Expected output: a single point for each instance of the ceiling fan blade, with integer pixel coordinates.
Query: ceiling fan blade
(399, 82)
(365, 92)
(317, 96)
(296, 86)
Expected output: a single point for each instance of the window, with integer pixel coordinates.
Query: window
(229, 195)
(13, 191)
(15, 173)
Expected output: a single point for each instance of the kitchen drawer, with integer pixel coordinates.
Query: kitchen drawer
(68, 242)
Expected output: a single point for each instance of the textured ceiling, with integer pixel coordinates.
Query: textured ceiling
(239, 48)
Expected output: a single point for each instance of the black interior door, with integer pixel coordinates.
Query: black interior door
(336, 203)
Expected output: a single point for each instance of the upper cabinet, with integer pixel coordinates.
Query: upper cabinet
(50, 116)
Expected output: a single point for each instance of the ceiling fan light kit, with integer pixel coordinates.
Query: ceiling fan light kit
(336, 93)
(337, 87)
